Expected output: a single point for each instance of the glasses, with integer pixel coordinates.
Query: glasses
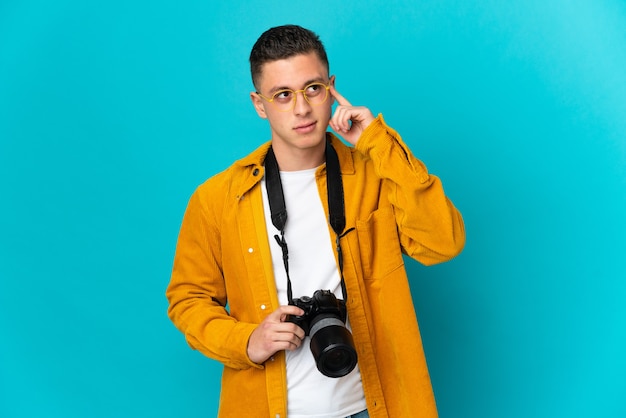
(285, 100)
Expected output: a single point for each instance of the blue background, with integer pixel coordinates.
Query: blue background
(111, 113)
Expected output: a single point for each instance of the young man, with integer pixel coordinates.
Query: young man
(242, 262)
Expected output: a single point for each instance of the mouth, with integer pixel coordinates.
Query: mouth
(305, 127)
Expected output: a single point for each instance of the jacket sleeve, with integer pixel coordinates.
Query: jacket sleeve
(431, 229)
(197, 292)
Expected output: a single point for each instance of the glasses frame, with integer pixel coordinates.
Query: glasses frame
(295, 96)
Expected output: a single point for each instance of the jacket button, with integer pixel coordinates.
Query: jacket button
(255, 172)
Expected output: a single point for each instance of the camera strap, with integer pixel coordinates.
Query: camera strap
(278, 209)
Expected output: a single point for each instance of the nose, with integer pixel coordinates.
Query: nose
(302, 106)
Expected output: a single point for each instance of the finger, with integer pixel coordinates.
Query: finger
(340, 121)
(287, 339)
(295, 342)
(340, 99)
(299, 332)
(285, 310)
(288, 344)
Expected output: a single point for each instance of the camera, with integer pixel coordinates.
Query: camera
(331, 342)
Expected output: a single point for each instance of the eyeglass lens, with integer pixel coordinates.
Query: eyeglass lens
(315, 94)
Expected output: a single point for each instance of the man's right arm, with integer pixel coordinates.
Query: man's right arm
(197, 299)
(197, 292)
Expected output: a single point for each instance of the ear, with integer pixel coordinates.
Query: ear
(332, 83)
(257, 102)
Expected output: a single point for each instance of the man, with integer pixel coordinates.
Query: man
(241, 262)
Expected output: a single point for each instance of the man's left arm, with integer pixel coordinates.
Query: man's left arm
(431, 229)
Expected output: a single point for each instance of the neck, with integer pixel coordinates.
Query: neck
(296, 159)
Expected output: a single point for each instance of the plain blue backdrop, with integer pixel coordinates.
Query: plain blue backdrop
(111, 113)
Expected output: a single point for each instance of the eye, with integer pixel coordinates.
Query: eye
(314, 89)
(283, 96)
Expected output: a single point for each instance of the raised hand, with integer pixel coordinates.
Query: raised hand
(274, 334)
(349, 121)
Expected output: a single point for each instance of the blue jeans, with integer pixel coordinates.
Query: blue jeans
(362, 414)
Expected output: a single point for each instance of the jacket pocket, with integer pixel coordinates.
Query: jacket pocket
(379, 244)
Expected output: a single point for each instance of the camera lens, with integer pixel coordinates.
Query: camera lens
(332, 347)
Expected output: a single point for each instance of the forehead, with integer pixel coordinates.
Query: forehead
(293, 72)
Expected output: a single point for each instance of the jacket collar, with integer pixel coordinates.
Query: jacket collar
(254, 170)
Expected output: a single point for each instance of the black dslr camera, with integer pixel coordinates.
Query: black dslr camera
(331, 342)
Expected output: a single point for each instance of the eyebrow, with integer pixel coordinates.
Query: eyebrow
(313, 80)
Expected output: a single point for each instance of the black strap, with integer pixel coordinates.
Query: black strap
(278, 209)
(275, 191)
(335, 191)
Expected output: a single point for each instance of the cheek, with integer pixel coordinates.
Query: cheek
(277, 120)
(326, 112)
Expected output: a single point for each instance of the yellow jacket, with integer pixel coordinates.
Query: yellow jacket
(222, 282)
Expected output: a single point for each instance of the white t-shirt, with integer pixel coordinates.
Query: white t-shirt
(312, 267)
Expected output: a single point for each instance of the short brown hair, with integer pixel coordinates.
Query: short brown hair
(284, 42)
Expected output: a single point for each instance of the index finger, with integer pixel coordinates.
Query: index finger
(340, 99)
(285, 310)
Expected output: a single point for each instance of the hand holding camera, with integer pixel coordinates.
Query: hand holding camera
(275, 334)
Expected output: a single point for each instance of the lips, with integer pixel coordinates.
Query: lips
(305, 127)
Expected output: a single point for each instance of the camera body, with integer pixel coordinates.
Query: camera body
(331, 342)
(323, 302)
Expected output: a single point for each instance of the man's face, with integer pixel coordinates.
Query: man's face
(304, 126)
